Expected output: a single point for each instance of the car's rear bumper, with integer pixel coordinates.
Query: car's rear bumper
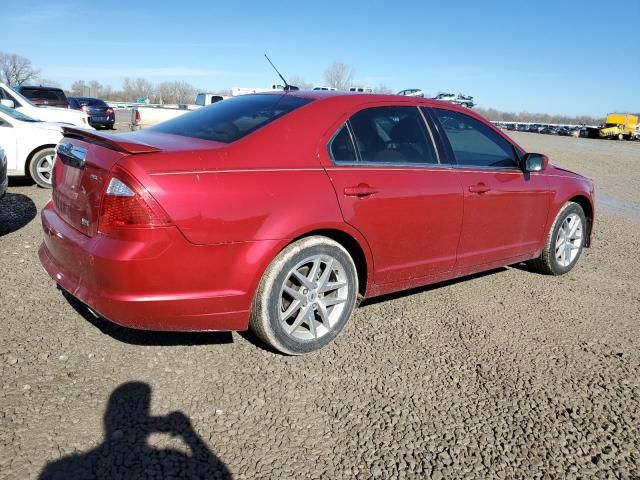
(156, 280)
(102, 123)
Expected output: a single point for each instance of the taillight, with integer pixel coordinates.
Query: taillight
(127, 204)
(85, 109)
(109, 111)
(137, 116)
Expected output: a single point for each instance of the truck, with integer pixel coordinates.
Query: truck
(236, 91)
(143, 116)
(619, 125)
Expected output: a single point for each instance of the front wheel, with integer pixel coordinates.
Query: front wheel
(305, 297)
(565, 241)
(41, 167)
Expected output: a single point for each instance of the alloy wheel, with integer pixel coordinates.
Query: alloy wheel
(313, 297)
(569, 240)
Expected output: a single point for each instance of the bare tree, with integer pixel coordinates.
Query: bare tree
(15, 69)
(175, 92)
(47, 82)
(78, 88)
(382, 88)
(138, 88)
(299, 82)
(339, 75)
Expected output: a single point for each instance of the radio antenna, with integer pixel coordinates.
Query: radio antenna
(287, 87)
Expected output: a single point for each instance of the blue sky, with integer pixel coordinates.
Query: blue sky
(562, 56)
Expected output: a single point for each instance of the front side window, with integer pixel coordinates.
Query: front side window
(393, 135)
(475, 144)
(232, 119)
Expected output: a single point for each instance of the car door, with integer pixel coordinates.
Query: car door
(505, 209)
(8, 142)
(392, 187)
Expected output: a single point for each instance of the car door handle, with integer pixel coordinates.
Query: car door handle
(362, 190)
(479, 188)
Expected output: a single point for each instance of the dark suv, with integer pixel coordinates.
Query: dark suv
(44, 96)
(100, 114)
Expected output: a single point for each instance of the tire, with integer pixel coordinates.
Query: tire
(292, 316)
(620, 136)
(41, 167)
(556, 260)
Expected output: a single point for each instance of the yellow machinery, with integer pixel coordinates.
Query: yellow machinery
(620, 126)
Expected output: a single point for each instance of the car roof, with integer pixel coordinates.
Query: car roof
(359, 98)
(38, 87)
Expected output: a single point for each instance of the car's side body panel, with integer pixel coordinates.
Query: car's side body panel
(504, 222)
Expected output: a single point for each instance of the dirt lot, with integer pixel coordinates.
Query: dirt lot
(505, 375)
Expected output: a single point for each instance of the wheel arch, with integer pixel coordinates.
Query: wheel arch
(361, 257)
(32, 154)
(587, 207)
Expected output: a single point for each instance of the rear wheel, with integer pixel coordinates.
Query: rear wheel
(565, 241)
(41, 167)
(305, 297)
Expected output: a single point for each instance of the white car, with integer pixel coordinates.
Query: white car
(12, 99)
(29, 145)
(4, 180)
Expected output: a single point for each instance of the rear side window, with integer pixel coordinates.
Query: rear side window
(341, 147)
(232, 119)
(392, 135)
(473, 143)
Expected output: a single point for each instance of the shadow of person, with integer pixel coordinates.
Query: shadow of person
(16, 211)
(125, 452)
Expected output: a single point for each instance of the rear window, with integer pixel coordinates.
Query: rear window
(232, 119)
(91, 102)
(40, 94)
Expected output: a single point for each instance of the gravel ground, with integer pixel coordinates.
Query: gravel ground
(509, 374)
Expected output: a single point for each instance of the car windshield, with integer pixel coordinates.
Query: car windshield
(232, 119)
(17, 115)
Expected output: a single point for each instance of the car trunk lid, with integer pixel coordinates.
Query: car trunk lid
(83, 162)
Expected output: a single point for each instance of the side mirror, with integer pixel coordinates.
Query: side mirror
(535, 162)
(7, 103)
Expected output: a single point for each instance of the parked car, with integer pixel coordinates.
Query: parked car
(4, 178)
(361, 89)
(260, 212)
(411, 92)
(330, 89)
(549, 130)
(29, 145)
(100, 114)
(44, 96)
(590, 132)
(12, 99)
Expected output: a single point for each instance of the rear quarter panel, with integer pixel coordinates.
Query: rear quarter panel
(267, 186)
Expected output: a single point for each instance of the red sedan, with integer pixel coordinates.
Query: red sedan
(276, 212)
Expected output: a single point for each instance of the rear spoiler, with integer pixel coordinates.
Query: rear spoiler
(110, 141)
